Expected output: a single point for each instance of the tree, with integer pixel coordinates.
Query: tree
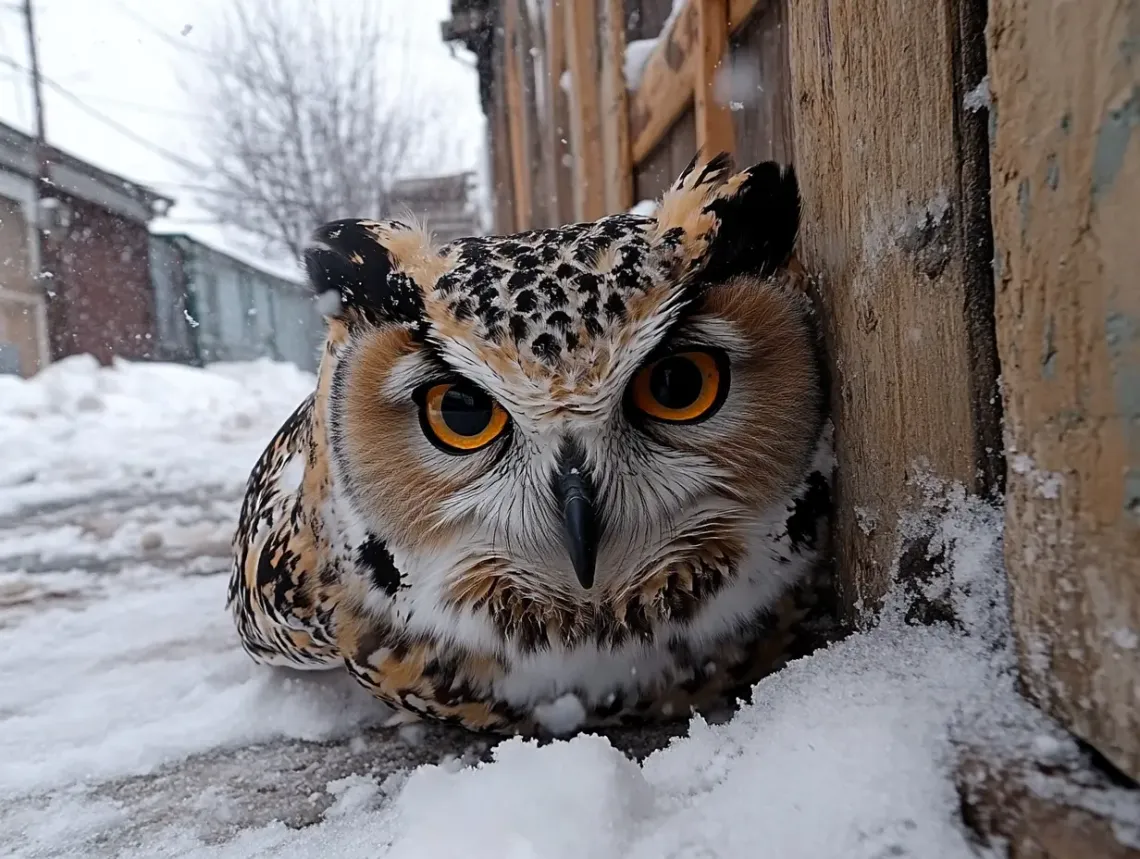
(314, 109)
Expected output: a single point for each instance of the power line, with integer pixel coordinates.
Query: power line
(159, 32)
(111, 123)
(144, 108)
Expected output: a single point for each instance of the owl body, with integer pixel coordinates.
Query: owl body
(585, 461)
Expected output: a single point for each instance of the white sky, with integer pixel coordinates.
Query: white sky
(126, 59)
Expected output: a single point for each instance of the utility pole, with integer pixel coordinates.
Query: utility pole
(41, 185)
(37, 99)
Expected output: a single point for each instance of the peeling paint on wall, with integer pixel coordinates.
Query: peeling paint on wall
(1122, 336)
(1112, 142)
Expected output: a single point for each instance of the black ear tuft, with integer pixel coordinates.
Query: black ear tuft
(758, 214)
(358, 240)
(353, 271)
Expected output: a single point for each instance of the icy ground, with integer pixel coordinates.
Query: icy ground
(132, 725)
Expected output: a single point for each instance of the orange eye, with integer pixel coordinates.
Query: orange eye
(681, 388)
(460, 417)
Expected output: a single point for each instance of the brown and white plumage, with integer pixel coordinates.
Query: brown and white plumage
(499, 493)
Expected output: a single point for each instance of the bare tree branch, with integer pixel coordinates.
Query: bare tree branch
(313, 112)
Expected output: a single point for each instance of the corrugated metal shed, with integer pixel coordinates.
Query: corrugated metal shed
(172, 304)
(230, 310)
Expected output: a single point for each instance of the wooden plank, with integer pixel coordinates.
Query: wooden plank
(670, 77)
(1066, 191)
(714, 121)
(653, 175)
(520, 166)
(1045, 809)
(585, 109)
(666, 87)
(499, 141)
(530, 56)
(763, 122)
(615, 110)
(879, 161)
(739, 11)
(558, 115)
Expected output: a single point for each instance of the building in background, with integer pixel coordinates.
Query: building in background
(211, 306)
(80, 283)
(93, 279)
(23, 311)
(446, 204)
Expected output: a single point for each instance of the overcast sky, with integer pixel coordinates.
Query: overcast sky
(126, 59)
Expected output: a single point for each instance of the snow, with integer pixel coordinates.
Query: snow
(637, 54)
(638, 51)
(1046, 484)
(737, 80)
(77, 429)
(644, 207)
(979, 97)
(562, 716)
(131, 723)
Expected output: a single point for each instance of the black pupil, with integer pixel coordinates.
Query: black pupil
(466, 411)
(676, 382)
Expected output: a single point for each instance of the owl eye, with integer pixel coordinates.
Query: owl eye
(459, 417)
(684, 387)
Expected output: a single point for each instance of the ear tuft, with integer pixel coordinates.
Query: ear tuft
(757, 215)
(712, 174)
(353, 271)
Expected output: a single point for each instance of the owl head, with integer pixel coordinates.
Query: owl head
(572, 411)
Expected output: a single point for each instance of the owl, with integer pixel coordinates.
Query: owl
(580, 465)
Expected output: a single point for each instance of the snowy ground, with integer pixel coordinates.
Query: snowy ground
(132, 725)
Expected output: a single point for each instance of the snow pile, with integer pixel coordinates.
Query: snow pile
(107, 677)
(845, 753)
(77, 429)
(150, 673)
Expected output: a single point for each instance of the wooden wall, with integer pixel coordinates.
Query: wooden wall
(569, 141)
(1066, 195)
(883, 158)
(907, 122)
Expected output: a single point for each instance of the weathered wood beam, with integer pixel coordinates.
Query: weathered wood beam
(670, 76)
(500, 143)
(1066, 196)
(585, 109)
(739, 11)
(714, 122)
(558, 114)
(667, 82)
(880, 162)
(615, 110)
(529, 52)
(1045, 809)
(520, 166)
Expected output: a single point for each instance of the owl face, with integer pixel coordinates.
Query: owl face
(578, 410)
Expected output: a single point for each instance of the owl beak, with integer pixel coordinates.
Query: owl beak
(579, 524)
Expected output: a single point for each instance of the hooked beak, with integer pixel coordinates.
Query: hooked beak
(579, 521)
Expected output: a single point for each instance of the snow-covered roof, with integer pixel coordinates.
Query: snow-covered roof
(80, 178)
